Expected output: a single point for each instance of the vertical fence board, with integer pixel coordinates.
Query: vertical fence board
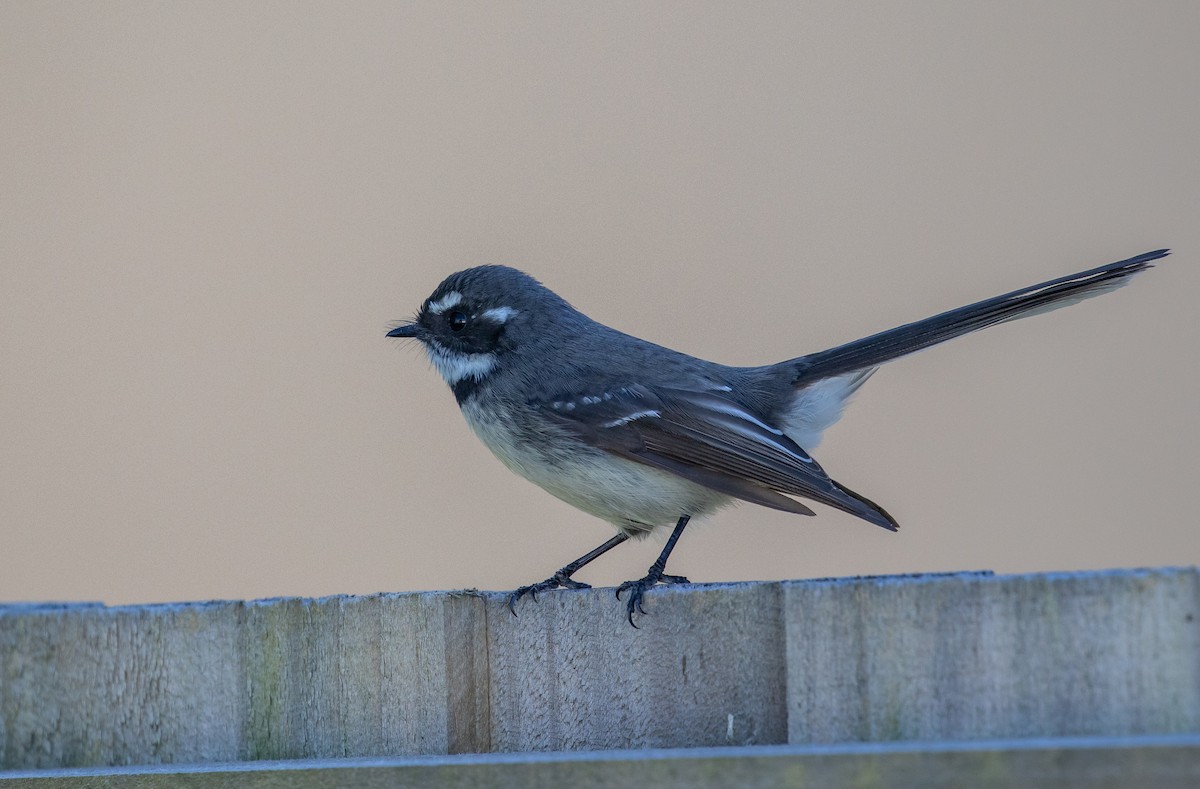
(969, 656)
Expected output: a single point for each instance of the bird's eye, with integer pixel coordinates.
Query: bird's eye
(458, 321)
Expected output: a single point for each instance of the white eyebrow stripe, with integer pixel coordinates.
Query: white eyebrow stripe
(498, 314)
(627, 419)
(444, 303)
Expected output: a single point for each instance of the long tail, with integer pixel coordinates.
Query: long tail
(872, 351)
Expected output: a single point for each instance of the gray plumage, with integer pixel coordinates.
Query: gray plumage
(644, 436)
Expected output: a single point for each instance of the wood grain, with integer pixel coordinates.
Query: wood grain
(961, 656)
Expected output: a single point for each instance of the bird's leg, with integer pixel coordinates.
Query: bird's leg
(656, 575)
(562, 578)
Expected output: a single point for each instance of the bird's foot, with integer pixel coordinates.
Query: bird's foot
(560, 580)
(637, 589)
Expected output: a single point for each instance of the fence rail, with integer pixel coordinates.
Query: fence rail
(1087, 763)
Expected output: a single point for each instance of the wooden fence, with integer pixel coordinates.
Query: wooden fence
(951, 661)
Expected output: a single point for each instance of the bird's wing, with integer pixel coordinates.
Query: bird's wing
(709, 438)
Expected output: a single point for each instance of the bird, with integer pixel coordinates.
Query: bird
(643, 436)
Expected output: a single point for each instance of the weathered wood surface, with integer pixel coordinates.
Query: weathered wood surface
(1088, 763)
(958, 656)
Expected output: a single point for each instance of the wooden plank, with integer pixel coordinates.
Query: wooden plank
(706, 667)
(973, 655)
(1095, 763)
(85, 684)
(354, 676)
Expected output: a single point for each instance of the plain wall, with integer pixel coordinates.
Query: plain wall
(211, 213)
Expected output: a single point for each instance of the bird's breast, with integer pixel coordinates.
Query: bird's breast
(633, 496)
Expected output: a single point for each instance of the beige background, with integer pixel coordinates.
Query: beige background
(211, 213)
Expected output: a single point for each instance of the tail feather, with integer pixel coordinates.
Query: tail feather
(872, 351)
(860, 505)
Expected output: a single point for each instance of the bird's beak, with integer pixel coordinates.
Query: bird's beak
(404, 330)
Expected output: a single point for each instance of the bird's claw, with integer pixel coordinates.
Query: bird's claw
(637, 590)
(559, 580)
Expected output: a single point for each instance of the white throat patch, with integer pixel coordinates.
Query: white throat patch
(455, 367)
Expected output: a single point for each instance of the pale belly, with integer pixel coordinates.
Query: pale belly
(633, 497)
